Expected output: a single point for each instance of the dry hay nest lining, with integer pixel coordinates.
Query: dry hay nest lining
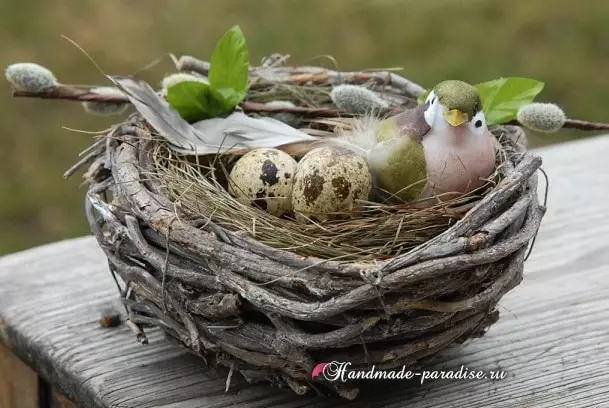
(390, 288)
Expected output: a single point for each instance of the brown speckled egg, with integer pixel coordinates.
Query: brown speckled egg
(263, 178)
(330, 179)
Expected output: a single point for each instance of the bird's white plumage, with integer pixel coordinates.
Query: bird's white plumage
(478, 124)
(431, 113)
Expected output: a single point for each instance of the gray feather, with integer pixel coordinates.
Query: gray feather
(240, 130)
(209, 136)
(159, 114)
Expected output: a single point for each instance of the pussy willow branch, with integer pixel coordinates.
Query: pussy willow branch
(67, 92)
(574, 124)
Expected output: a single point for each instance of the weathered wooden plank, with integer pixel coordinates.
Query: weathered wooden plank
(18, 382)
(551, 339)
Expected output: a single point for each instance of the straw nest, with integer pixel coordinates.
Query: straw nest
(270, 298)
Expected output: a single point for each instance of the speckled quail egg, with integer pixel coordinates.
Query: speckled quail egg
(263, 178)
(330, 179)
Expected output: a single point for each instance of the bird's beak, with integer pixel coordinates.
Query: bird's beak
(455, 117)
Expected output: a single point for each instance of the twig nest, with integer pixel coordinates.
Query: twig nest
(318, 280)
(264, 178)
(330, 182)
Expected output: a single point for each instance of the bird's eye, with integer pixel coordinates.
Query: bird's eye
(478, 124)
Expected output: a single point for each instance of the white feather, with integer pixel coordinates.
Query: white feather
(361, 137)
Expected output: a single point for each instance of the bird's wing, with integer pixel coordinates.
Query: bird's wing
(399, 166)
(412, 123)
(398, 160)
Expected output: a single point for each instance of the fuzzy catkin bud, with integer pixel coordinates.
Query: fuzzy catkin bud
(357, 99)
(30, 77)
(105, 108)
(542, 117)
(286, 104)
(173, 79)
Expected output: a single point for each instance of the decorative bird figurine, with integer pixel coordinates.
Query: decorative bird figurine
(439, 149)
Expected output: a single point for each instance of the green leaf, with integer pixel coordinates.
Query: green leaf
(227, 97)
(501, 98)
(228, 74)
(228, 81)
(194, 101)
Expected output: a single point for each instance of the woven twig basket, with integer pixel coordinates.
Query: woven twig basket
(273, 315)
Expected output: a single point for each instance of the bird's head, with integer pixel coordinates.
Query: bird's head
(455, 104)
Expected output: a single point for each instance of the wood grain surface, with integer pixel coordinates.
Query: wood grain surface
(552, 339)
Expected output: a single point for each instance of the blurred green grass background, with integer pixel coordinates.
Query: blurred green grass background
(562, 42)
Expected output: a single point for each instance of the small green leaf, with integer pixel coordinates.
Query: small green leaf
(194, 101)
(228, 74)
(228, 81)
(501, 98)
(227, 97)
